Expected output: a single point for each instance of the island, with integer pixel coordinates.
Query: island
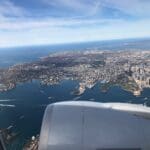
(129, 69)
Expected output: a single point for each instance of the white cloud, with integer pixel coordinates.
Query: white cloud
(7, 9)
(24, 24)
(52, 35)
(131, 7)
(84, 7)
(22, 30)
(91, 7)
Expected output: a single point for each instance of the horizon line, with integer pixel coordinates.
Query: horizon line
(76, 42)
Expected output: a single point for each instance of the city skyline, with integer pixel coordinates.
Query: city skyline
(39, 22)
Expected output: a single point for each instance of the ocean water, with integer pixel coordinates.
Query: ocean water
(11, 56)
(30, 100)
(23, 107)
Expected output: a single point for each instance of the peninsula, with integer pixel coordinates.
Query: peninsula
(129, 69)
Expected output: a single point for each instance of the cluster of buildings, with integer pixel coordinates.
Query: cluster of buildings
(141, 75)
(129, 69)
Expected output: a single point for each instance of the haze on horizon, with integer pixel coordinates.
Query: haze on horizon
(36, 22)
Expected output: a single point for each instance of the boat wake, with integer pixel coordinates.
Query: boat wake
(7, 100)
(3, 105)
(76, 98)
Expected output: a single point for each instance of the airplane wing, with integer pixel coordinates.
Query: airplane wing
(80, 125)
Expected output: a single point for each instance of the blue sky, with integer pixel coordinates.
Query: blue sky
(36, 22)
